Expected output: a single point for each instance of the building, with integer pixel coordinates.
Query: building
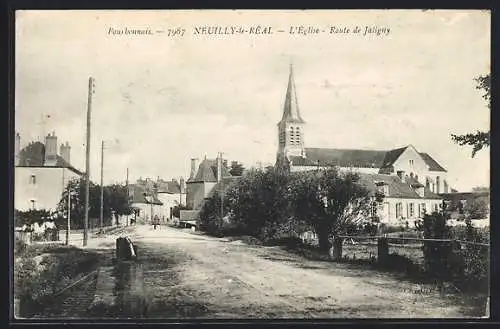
(171, 193)
(413, 178)
(405, 200)
(144, 201)
(41, 173)
(203, 178)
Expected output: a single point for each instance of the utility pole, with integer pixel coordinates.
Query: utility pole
(128, 200)
(87, 162)
(102, 187)
(219, 180)
(68, 224)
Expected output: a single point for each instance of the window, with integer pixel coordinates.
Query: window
(399, 210)
(33, 203)
(436, 207)
(437, 185)
(33, 179)
(422, 210)
(374, 209)
(411, 162)
(412, 210)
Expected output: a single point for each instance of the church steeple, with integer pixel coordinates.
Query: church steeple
(291, 111)
(290, 128)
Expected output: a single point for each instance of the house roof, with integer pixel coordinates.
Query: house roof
(223, 185)
(397, 188)
(433, 165)
(291, 111)
(207, 172)
(140, 194)
(33, 155)
(390, 157)
(171, 187)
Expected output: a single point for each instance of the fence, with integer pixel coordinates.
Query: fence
(372, 245)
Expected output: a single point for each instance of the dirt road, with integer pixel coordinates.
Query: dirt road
(185, 275)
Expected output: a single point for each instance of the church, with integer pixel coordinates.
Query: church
(410, 179)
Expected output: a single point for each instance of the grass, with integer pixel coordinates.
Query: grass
(40, 271)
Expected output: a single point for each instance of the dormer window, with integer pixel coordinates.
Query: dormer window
(382, 187)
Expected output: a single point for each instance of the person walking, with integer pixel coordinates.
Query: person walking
(156, 221)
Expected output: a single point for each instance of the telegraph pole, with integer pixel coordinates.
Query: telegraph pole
(219, 179)
(128, 199)
(102, 186)
(87, 161)
(69, 216)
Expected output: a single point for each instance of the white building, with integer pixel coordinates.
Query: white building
(412, 179)
(41, 173)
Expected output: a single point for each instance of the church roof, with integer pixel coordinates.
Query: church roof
(340, 157)
(291, 111)
(433, 165)
(383, 160)
(207, 172)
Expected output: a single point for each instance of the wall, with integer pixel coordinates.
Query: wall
(169, 201)
(197, 192)
(47, 190)
(387, 212)
(419, 168)
(145, 211)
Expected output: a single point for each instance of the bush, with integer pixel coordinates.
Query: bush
(35, 284)
(436, 252)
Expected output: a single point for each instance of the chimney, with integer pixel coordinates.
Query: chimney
(182, 185)
(401, 174)
(51, 150)
(65, 152)
(17, 149)
(193, 168)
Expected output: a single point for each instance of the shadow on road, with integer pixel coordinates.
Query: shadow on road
(148, 287)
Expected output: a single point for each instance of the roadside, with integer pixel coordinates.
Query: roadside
(231, 279)
(53, 280)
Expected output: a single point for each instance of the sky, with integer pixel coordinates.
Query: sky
(161, 100)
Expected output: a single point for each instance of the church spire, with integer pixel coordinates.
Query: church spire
(291, 111)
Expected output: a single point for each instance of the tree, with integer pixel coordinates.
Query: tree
(236, 168)
(476, 207)
(331, 202)
(479, 139)
(117, 199)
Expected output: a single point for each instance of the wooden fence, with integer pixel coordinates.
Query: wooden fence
(371, 246)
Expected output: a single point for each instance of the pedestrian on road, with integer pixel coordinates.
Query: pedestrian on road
(156, 221)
